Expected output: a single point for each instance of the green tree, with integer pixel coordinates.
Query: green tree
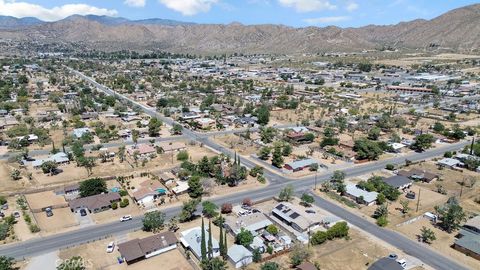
(381, 198)
(263, 115)
(272, 229)
(299, 254)
(7, 263)
(307, 200)
(270, 266)
(92, 187)
(264, 153)
(338, 176)
(182, 155)
(381, 211)
(214, 264)
(188, 210)
(286, 194)
(382, 221)
(49, 166)
(153, 221)
(177, 129)
(374, 133)
(277, 158)
(209, 209)
(257, 255)
(427, 235)
(244, 237)
(203, 243)
(15, 174)
(195, 187)
(367, 149)
(329, 137)
(451, 215)
(287, 150)
(423, 142)
(154, 126)
(405, 206)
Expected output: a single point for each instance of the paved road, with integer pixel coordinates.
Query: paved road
(45, 244)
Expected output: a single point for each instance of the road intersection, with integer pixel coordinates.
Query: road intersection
(277, 182)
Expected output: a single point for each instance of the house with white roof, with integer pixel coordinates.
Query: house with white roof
(191, 239)
(239, 256)
(360, 195)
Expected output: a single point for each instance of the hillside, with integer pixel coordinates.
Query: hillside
(458, 29)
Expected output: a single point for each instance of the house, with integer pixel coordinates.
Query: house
(419, 175)
(204, 123)
(449, 163)
(360, 195)
(144, 151)
(299, 165)
(398, 182)
(397, 147)
(79, 132)
(58, 158)
(385, 263)
(306, 266)
(149, 191)
(191, 240)
(181, 187)
(296, 217)
(253, 223)
(468, 239)
(166, 176)
(171, 146)
(239, 256)
(95, 203)
(139, 249)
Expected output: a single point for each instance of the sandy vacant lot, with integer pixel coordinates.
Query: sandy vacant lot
(172, 260)
(442, 244)
(62, 218)
(40, 200)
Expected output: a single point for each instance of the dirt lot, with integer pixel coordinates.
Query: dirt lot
(172, 260)
(44, 199)
(62, 218)
(72, 173)
(242, 146)
(442, 244)
(340, 254)
(6, 181)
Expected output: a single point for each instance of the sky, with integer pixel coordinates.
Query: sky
(296, 13)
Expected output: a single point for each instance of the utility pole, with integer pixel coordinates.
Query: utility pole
(315, 188)
(461, 187)
(418, 199)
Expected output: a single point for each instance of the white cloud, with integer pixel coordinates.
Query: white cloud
(135, 3)
(189, 7)
(308, 5)
(352, 6)
(325, 20)
(24, 9)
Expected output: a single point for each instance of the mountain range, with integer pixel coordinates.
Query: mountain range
(456, 30)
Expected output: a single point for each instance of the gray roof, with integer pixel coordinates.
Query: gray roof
(237, 253)
(302, 163)
(368, 197)
(138, 248)
(252, 223)
(385, 264)
(59, 157)
(469, 240)
(95, 202)
(397, 181)
(193, 239)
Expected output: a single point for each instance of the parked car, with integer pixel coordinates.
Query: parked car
(2, 215)
(83, 212)
(16, 214)
(402, 263)
(49, 211)
(5, 206)
(126, 218)
(110, 247)
(393, 256)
